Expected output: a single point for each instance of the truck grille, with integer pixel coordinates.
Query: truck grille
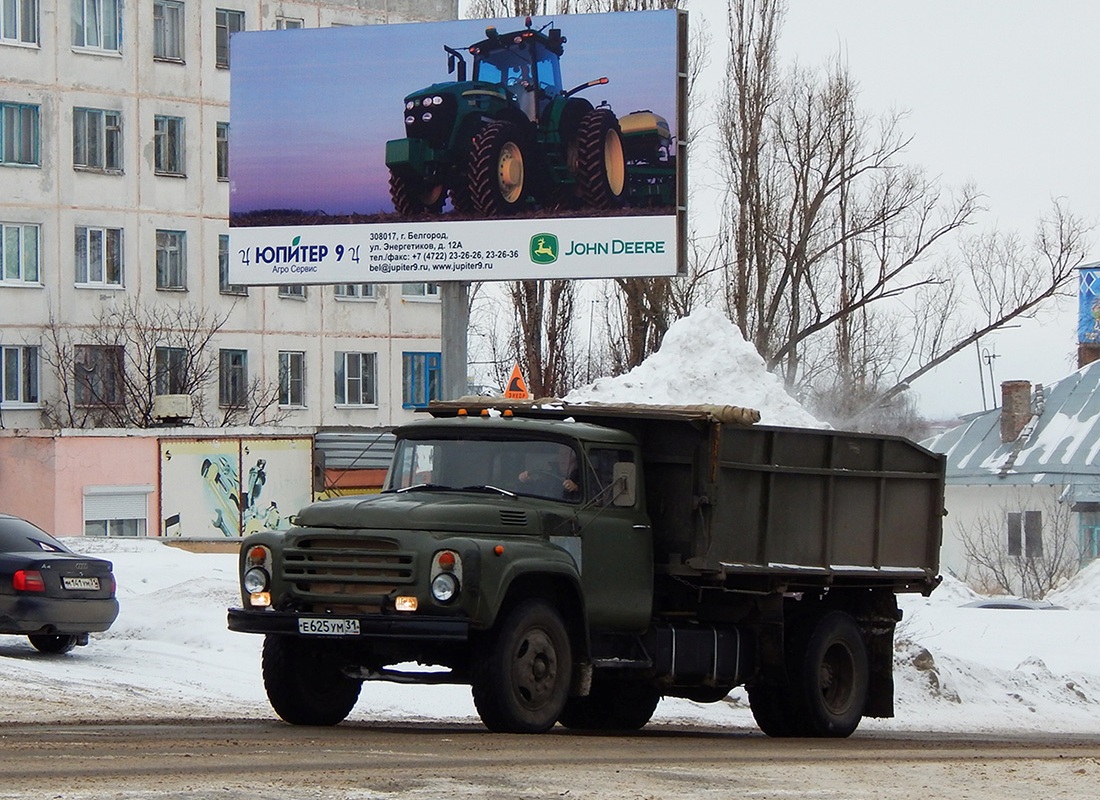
(346, 575)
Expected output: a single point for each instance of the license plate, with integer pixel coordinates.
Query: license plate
(328, 627)
(84, 584)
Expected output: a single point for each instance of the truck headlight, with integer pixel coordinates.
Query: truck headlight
(444, 587)
(255, 580)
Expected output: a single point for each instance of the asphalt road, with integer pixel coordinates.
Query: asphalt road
(259, 759)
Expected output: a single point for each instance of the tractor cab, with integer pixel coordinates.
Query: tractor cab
(524, 62)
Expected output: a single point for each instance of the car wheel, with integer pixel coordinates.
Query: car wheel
(53, 643)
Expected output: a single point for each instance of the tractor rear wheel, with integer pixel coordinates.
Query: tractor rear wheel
(412, 196)
(498, 175)
(601, 164)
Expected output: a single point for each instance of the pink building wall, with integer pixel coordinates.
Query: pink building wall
(43, 475)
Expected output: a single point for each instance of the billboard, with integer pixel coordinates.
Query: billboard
(501, 149)
(228, 488)
(1088, 305)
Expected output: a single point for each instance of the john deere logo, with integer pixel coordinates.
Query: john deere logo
(544, 248)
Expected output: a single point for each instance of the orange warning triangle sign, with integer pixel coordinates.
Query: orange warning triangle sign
(517, 386)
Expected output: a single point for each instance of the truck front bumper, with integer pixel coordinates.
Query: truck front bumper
(374, 626)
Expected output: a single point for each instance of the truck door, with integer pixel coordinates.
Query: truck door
(616, 545)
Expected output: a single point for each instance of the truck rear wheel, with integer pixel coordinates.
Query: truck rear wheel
(834, 678)
(413, 196)
(612, 706)
(498, 174)
(521, 683)
(601, 164)
(304, 683)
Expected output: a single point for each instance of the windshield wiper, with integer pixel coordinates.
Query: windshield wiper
(425, 487)
(487, 488)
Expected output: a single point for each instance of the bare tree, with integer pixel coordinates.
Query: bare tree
(1008, 562)
(836, 250)
(110, 372)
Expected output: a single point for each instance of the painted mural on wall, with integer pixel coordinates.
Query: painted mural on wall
(228, 488)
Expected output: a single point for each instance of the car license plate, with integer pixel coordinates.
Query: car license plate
(85, 584)
(328, 627)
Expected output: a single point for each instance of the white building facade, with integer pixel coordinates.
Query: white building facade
(114, 192)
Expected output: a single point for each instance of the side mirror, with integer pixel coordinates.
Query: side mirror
(624, 477)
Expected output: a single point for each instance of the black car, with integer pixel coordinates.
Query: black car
(49, 593)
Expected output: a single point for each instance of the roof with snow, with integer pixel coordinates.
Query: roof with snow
(1060, 445)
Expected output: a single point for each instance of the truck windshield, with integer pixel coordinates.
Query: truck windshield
(532, 467)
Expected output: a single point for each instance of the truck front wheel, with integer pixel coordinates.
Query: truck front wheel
(521, 682)
(305, 684)
(612, 705)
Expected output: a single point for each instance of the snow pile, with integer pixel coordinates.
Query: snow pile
(169, 655)
(703, 359)
(1082, 591)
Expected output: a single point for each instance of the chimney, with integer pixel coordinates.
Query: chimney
(1015, 408)
(1087, 352)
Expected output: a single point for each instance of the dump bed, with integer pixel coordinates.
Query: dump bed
(805, 506)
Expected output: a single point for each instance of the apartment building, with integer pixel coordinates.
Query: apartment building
(114, 199)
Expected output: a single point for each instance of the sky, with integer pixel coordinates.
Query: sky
(312, 109)
(169, 654)
(997, 92)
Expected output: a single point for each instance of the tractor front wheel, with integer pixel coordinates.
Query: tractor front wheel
(413, 196)
(498, 174)
(601, 163)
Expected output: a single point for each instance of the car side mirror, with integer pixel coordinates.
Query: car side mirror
(624, 478)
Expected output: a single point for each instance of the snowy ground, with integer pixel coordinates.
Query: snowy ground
(957, 669)
(169, 654)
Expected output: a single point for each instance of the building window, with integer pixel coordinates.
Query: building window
(18, 134)
(292, 378)
(224, 286)
(288, 23)
(355, 379)
(19, 21)
(1025, 534)
(226, 23)
(420, 379)
(171, 370)
(98, 377)
(222, 152)
(96, 25)
(232, 378)
(292, 291)
(19, 371)
(116, 510)
(1088, 526)
(168, 30)
(18, 253)
(171, 260)
(354, 291)
(97, 139)
(428, 290)
(168, 145)
(98, 256)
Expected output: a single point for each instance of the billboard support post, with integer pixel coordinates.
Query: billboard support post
(455, 307)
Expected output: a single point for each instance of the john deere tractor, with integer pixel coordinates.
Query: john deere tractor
(508, 136)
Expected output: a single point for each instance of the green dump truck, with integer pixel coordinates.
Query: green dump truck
(576, 563)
